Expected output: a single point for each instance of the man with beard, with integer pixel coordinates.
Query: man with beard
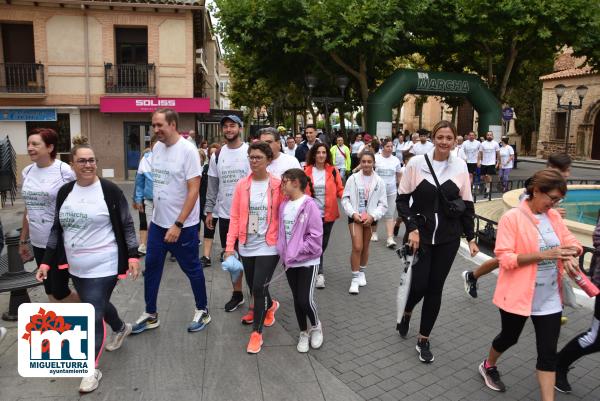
(226, 168)
(472, 147)
(304, 147)
(489, 159)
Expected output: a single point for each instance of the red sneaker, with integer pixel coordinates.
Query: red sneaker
(255, 343)
(270, 315)
(248, 318)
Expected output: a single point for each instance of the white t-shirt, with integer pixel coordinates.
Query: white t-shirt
(546, 298)
(40, 186)
(363, 196)
(281, 164)
(145, 165)
(506, 152)
(291, 152)
(340, 158)
(489, 149)
(233, 166)
(459, 152)
(471, 149)
(290, 212)
(318, 178)
(386, 168)
(421, 148)
(255, 239)
(356, 146)
(89, 239)
(172, 167)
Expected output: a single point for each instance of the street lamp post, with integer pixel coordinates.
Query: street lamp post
(560, 91)
(342, 82)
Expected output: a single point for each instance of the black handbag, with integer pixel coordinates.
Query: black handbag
(450, 208)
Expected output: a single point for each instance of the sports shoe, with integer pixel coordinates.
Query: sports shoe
(422, 348)
(118, 338)
(303, 340)
(200, 320)
(237, 299)
(255, 343)
(354, 286)
(396, 230)
(390, 243)
(374, 237)
(90, 383)
(562, 383)
(491, 376)
(316, 336)
(320, 281)
(145, 322)
(142, 249)
(221, 258)
(3, 332)
(248, 318)
(205, 261)
(470, 283)
(362, 279)
(270, 315)
(403, 326)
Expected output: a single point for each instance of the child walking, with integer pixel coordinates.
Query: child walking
(299, 244)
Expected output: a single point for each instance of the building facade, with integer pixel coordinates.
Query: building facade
(99, 69)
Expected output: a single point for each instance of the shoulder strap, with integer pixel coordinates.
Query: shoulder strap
(28, 170)
(334, 173)
(217, 156)
(437, 184)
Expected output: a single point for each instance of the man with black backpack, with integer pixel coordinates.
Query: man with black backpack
(226, 167)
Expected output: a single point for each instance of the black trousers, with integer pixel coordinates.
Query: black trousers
(258, 271)
(223, 228)
(327, 227)
(584, 344)
(428, 278)
(302, 283)
(547, 329)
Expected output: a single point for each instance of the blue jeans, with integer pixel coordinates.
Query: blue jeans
(97, 291)
(185, 251)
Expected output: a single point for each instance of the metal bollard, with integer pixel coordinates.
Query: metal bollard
(15, 268)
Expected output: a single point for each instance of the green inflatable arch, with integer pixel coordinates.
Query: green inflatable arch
(402, 82)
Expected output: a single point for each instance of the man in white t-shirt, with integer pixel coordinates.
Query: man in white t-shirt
(471, 148)
(290, 148)
(281, 162)
(489, 159)
(423, 146)
(226, 168)
(176, 176)
(507, 155)
(458, 150)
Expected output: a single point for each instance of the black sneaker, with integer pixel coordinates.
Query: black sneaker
(403, 326)
(470, 283)
(425, 354)
(562, 384)
(236, 300)
(491, 376)
(396, 230)
(205, 261)
(221, 258)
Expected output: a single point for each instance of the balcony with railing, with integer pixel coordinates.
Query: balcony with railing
(130, 78)
(22, 78)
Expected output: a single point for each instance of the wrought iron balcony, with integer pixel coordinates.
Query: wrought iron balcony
(22, 78)
(130, 78)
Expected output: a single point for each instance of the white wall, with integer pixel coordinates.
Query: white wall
(17, 134)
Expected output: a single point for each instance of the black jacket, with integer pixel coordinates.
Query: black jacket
(120, 218)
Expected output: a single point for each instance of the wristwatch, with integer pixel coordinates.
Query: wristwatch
(179, 224)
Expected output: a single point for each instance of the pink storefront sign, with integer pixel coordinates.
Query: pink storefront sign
(150, 104)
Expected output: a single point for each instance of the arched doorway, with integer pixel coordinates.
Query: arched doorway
(596, 138)
(402, 82)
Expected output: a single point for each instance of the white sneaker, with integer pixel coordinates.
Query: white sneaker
(142, 249)
(390, 243)
(354, 286)
(320, 281)
(3, 332)
(362, 279)
(316, 336)
(374, 237)
(90, 383)
(303, 342)
(118, 338)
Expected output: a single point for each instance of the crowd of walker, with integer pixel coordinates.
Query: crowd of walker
(275, 200)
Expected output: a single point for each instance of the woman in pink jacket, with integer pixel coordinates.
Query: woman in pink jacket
(254, 224)
(300, 246)
(534, 248)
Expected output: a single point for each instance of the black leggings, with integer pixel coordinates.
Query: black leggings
(327, 227)
(258, 271)
(584, 344)
(428, 278)
(223, 228)
(302, 283)
(547, 329)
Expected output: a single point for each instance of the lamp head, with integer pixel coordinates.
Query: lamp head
(560, 90)
(581, 91)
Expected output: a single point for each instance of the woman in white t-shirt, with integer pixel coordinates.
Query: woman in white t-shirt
(41, 182)
(507, 156)
(355, 149)
(388, 168)
(94, 237)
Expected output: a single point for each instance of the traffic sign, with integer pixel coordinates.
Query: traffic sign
(507, 113)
